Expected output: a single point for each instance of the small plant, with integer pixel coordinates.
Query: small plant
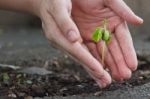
(5, 77)
(102, 33)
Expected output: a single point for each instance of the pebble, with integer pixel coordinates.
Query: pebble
(35, 70)
(12, 95)
(98, 93)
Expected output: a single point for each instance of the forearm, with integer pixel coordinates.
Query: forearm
(28, 6)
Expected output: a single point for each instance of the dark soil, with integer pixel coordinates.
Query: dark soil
(67, 78)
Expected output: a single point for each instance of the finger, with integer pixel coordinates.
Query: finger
(102, 82)
(124, 11)
(111, 65)
(76, 50)
(62, 17)
(103, 79)
(115, 50)
(97, 52)
(125, 41)
(93, 50)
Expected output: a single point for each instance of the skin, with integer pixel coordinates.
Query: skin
(19, 5)
(120, 56)
(63, 28)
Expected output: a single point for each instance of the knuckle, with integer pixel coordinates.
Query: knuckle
(54, 8)
(123, 13)
(64, 23)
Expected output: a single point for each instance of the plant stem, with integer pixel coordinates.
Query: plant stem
(103, 53)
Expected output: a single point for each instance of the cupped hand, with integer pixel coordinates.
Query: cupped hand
(61, 30)
(120, 56)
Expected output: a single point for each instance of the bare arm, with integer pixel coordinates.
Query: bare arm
(28, 6)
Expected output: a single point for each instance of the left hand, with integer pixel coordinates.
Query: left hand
(57, 22)
(120, 56)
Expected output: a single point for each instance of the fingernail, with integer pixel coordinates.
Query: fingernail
(101, 85)
(140, 19)
(72, 36)
(104, 85)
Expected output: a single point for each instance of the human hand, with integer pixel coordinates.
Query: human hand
(120, 56)
(56, 23)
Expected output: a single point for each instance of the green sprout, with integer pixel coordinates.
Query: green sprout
(97, 35)
(5, 77)
(102, 33)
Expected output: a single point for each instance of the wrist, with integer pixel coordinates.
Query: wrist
(35, 6)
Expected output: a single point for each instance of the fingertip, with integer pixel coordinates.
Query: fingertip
(138, 20)
(105, 80)
(126, 74)
(133, 64)
(133, 19)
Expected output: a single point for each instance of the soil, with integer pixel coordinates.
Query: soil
(67, 78)
(27, 48)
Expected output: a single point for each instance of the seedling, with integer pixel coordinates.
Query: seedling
(102, 33)
(5, 77)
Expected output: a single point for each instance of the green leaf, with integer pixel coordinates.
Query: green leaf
(97, 35)
(106, 35)
(108, 41)
(5, 76)
(28, 82)
(19, 76)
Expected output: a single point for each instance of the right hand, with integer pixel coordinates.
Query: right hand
(120, 55)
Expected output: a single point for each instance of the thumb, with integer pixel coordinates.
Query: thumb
(66, 25)
(120, 7)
